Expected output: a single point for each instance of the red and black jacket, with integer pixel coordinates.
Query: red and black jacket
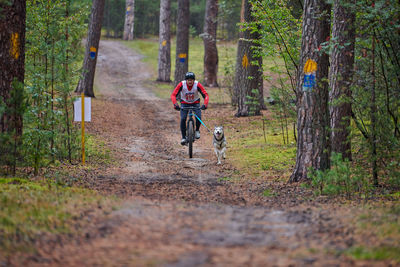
(178, 90)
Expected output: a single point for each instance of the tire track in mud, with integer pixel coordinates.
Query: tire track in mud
(178, 211)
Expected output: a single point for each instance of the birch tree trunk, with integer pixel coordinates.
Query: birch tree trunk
(248, 83)
(340, 77)
(164, 50)
(129, 20)
(182, 41)
(85, 84)
(210, 44)
(12, 64)
(312, 99)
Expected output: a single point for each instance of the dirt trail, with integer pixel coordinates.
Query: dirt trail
(178, 211)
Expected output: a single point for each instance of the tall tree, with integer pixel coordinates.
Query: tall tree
(312, 92)
(248, 84)
(340, 76)
(85, 84)
(182, 41)
(129, 20)
(210, 43)
(164, 50)
(12, 71)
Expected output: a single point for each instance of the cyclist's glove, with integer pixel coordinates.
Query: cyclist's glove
(176, 106)
(203, 107)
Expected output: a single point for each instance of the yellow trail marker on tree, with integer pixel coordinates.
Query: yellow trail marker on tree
(310, 66)
(15, 45)
(309, 79)
(245, 61)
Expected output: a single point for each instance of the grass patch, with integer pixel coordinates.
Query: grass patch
(29, 209)
(380, 225)
(376, 253)
(97, 151)
(256, 154)
(268, 193)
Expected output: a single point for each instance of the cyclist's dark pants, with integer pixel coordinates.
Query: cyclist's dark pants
(184, 114)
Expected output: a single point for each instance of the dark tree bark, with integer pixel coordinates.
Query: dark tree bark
(182, 41)
(129, 20)
(312, 104)
(12, 64)
(340, 77)
(85, 84)
(164, 50)
(210, 44)
(248, 84)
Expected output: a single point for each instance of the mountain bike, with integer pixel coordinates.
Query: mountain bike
(190, 128)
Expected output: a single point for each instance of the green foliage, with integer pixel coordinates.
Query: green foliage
(147, 18)
(228, 19)
(114, 18)
(197, 11)
(147, 15)
(280, 29)
(10, 140)
(340, 179)
(53, 56)
(379, 22)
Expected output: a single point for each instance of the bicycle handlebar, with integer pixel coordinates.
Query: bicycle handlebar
(191, 108)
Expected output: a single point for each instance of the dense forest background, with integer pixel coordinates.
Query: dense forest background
(147, 18)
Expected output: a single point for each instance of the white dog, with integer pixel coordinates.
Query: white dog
(219, 143)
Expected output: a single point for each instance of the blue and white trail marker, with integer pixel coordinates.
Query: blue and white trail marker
(309, 75)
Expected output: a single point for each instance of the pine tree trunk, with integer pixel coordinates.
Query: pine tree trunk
(340, 77)
(312, 104)
(164, 50)
(129, 20)
(210, 44)
(248, 84)
(12, 64)
(85, 84)
(182, 41)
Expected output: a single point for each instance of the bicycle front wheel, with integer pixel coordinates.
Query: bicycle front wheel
(190, 137)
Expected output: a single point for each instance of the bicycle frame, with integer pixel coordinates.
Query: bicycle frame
(190, 128)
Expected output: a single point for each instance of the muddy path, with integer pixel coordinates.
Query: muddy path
(179, 211)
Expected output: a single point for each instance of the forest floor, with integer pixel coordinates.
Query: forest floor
(178, 211)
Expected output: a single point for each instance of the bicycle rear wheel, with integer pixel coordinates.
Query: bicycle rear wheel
(190, 137)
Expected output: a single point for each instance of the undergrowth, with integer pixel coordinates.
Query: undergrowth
(30, 209)
(341, 179)
(378, 225)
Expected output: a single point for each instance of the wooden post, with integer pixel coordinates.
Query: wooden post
(83, 128)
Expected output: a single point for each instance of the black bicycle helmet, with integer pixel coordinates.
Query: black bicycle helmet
(190, 75)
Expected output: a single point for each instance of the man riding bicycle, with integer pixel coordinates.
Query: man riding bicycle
(188, 91)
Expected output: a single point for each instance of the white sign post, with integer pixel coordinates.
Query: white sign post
(78, 109)
(82, 113)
